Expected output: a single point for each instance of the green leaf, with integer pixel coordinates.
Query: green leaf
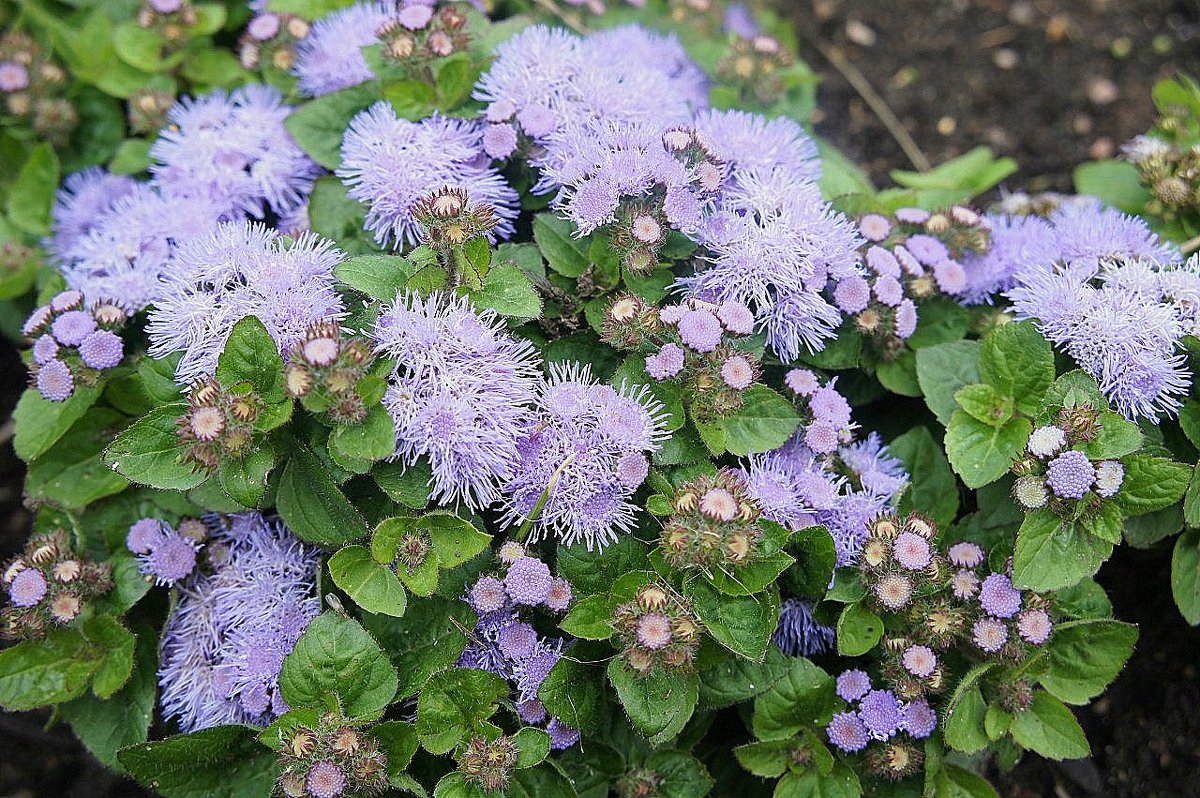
(858, 630)
(50, 671)
(398, 741)
(574, 693)
(1085, 656)
(942, 370)
(1151, 483)
(984, 403)
(123, 720)
(767, 759)
(454, 540)
(372, 440)
(380, 277)
(219, 762)
(591, 572)
(1047, 727)
(408, 485)
(1116, 438)
(245, 480)
(957, 180)
(803, 697)
(753, 576)
(38, 423)
(372, 586)
(507, 290)
(996, 722)
(532, 746)
(455, 785)
(1052, 554)
(555, 237)
(954, 782)
(72, 475)
(735, 679)
(311, 504)
(333, 214)
(319, 124)
(589, 619)
(840, 782)
(1185, 575)
(899, 375)
(250, 355)
(1191, 500)
(933, 488)
(981, 454)
(430, 637)
(1018, 362)
(1144, 531)
(148, 452)
(964, 725)
(31, 195)
(743, 624)
(335, 658)
(659, 704)
(117, 644)
(1115, 182)
(544, 781)
(453, 704)
(765, 421)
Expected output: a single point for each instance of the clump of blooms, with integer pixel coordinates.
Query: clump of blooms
(879, 722)
(72, 347)
(48, 586)
(656, 629)
(459, 394)
(507, 644)
(714, 523)
(694, 345)
(798, 633)
(218, 424)
(324, 370)
(845, 489)
(392, 164)
(754, 65)
(166, 555)
(898, 560)
(1168, 165)
(234, 150)
(418, 37)
(912, 256)
(331, 758)
(236, 619)
(1058, 476)
(79, 203)
(489, 763)
(34, 88)
(172, 20)
(330, 56)
(129, 248)
(271, 38)
(241, 269)
(583, 453)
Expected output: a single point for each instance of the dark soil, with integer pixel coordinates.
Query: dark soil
(1050, 83)
(1044, 81)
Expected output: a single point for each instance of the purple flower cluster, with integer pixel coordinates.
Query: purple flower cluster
(798, 633)
(241, 269)
(1006, 614)
(879, 715)
(235, 621)
(584, 452)
(233, 149)
(544, 78)
(1105, 290)
(459, 395)
(164, 554)
(391, 164)
(845, 488)
(72, 345)
(79, 204)
(330, 56)
(509, 646)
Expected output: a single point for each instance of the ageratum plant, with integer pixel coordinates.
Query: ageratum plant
(523, 403)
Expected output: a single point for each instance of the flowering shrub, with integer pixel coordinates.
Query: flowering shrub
(522, 405)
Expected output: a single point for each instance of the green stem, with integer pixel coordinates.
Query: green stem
(527, 527)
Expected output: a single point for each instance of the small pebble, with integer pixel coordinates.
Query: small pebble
(1005, 58)
(946, 125)
(860, 33)
(1102, 91)
(1102, 148)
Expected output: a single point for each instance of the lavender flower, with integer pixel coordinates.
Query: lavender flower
(1070, 475)
(78, 205)
(990, 634)
(234, 150)
(168, 556)
(391, 163)
(241, 269)
(998, 597)
(225, 641)
(798, 634)
(27, 588)
(919, 719)
(55, 382)
(853, 684)
(750, 142)
(847, 732)
(881, 713)
(459, 394)
(577, 450)
(128, 252)
(528, 581)
(330, 57)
